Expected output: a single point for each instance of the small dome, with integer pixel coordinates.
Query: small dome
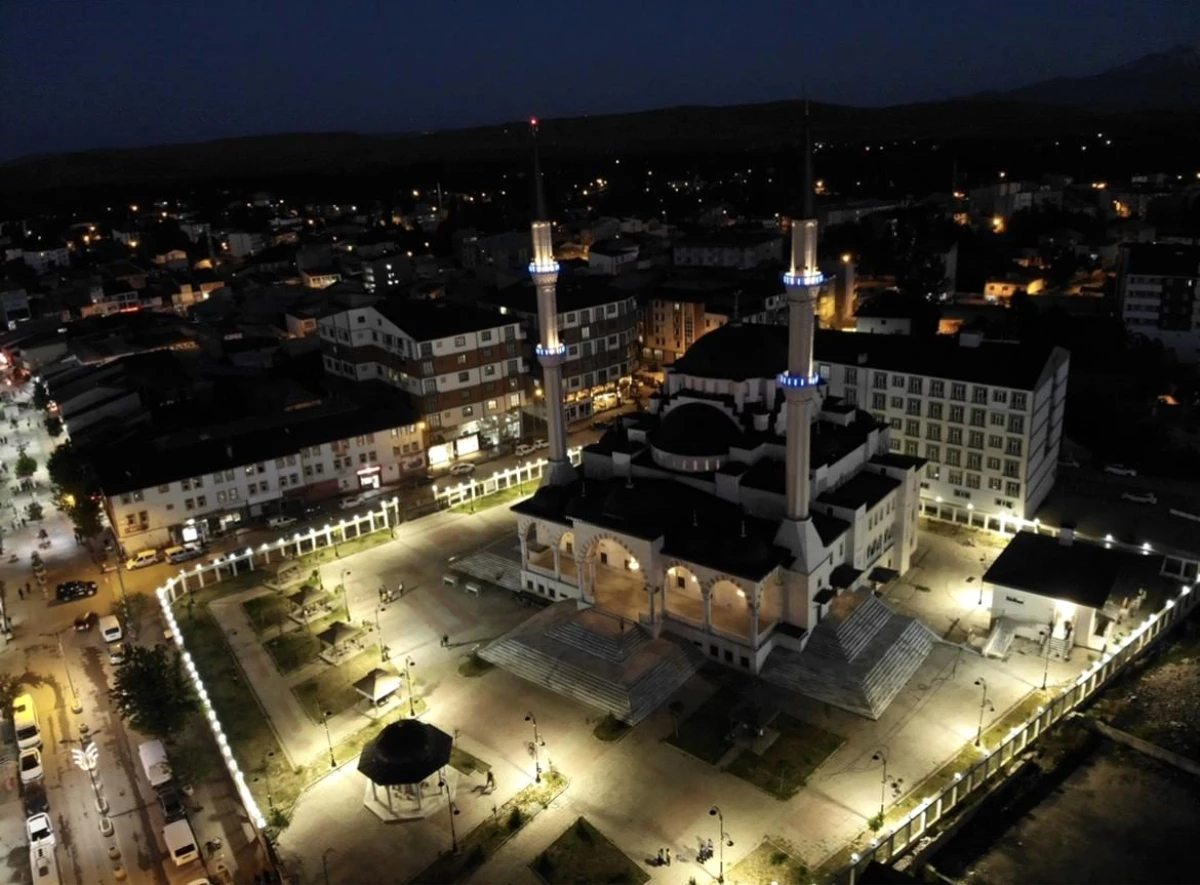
(735, 352)
(696, 430)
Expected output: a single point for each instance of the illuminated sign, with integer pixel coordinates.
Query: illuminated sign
(468, 445)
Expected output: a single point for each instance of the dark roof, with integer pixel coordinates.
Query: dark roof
(840, 578)
(696, 429)
(614, 246)
(572, 292)
(427, 320)
(738, 351)
(729, 237)
(894, 459)
(1162, 259)
(1082, 573)
(864, 489)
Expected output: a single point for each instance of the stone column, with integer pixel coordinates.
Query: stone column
(557, 563)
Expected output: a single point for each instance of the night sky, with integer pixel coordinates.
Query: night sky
(104, 73)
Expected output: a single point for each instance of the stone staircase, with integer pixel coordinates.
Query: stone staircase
(858, 658)
(595, 659)
(490, 567)
(1000, 640)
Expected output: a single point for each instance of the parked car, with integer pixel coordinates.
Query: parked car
(1141, 497)
(86, 621)
(525, 449)
(541, 444)
(71, 590)
(463, 468)
(31, 765)
(39, 829)
(117, 652)
(281, 522)
(351, 502)
(184, 552)
(425, 480)
(172, 804)
(1119, 470)
(141, 559)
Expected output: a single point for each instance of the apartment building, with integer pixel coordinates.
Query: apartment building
(988, 417)
(598, 324)
(463, 368)
(1159, 289)
(40, 257)
(205, 485)
(386, 272)
(729, 248)
(681, 310)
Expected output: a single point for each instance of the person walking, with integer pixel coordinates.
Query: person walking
(445, 640)
(490, 783)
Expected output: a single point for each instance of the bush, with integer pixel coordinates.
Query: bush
(34, 511)
(515, 819)
(25, 467)
(876, 822)
(545, 866)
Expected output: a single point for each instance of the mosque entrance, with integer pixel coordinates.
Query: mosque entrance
(615, 579)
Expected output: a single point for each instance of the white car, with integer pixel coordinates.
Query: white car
(541, 444)
(351, 502)
(1141, 497)
(462, 469)
(31, 766)
(1119, 470)
(525, 449)
(280, 522)
(40, 830)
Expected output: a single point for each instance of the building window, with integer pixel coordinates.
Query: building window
(933, 471)
(1012, 446)
(915, 385)
(485, 335)
(995, 442)
(954, 436)
(937, 388)
(979, 395)
(462, 359)
(468, 411)
(955, 477)
(852, 376)
(879, 382)
(164, 489)
(975, 439)
(934, 432)
(489, 370)
(202, 501)
(894, 445)
(1016, 423)
(958, 391)
(1012, 468)
(910, 447)
(935, 411)
(933, 453)
(464, 377)
(913, 407)
(1018, 401)
(912, 427)
(994, 484)
(956, 414)
(1000, 396)
(996, 419)
(460, 341)
(189, 504)
(1012, 489)
(953, 457)
(974, 461)
(978, 417)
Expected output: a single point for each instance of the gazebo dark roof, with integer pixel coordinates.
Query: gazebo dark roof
(405, 752)
(337, 633)
(307, 595)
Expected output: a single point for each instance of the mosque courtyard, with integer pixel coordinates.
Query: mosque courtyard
(641, 790)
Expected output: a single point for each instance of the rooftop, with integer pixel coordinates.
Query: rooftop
(1162, 260)
(572, 292)
(865, 489)
(427, 320)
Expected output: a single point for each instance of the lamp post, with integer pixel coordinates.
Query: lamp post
(443, 784)
(409, 663)
(383, 649)
(984, 706)
(266, 767)
(328, 739)
(76, 704)
(715, 811)
(346, 595)
(881, 756)
(87, 757)
(537, 743)
(1045, 635)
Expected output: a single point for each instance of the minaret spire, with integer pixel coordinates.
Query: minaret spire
(551, 353)
(803, 283)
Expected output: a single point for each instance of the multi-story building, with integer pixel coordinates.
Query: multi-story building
(597, 323)
(682, 310)
(41, 256)
(242, 243)
(729, 248)
(204, 487)
(510, 250)
(386, 272)
(320, 277)
(987, 417)
(1159, 288)
(464, 368)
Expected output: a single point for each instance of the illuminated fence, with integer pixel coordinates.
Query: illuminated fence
(380, 518)
(887, 847)
(453, 493)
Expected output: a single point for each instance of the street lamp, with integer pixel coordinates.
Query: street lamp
(383, 649)
(76, 704)
(715, 811)
(984, 706)
(87, 757)
(329, 740)
(443, 784)
(1045, 636)
(881, 756)
(409, 663)
(266, 767)
(346, 594)
(537, 742)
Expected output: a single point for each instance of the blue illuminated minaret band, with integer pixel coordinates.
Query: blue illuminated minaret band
(550, 351)
(803, 283)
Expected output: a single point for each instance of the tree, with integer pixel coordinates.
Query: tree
(41, 396)
(54, 426)
(74, 487)
(152, 693)
(86, 516)
(34, 511)
(26, 466)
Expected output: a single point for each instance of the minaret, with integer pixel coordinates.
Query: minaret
(803, 284)
(550, 352)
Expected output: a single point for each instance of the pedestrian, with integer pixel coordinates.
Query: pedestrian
(20, 592)
(490, 783)
(668, 857)
(661, 861)
(28, 586)
(445, 640)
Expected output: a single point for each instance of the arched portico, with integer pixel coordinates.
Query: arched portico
(612, 578)
(730, 607)
(684, 597)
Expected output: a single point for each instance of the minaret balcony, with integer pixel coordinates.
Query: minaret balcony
(788, 381)
(543, 267)
(555, 354)
(807, 278)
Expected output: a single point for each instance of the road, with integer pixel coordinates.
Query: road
(54, 662)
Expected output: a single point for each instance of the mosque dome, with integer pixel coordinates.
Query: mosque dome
(696, 430)
(736, 352)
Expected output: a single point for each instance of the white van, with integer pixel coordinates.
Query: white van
(44, 865)
(181, 844)
(155, 763)
(141, 559)
(183, 553)
(110, 629)
(25, 721)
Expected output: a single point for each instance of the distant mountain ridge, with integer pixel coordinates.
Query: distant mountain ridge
(1160, 81)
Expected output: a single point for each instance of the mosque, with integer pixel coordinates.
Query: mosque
(745, 518)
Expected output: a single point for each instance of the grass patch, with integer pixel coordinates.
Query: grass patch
(786, 765)
(504, 496)
(583, 855)
(473, 666)
(300, 647)
(308, 561)
(768, 864)
(333, 688)
(610, 729)
(705, 733)
(464, 763)
(487, 838)
(270, 610)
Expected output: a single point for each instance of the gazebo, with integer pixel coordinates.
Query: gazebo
(304, 600)
(378, 687)
(334, 639)
(408, 772)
